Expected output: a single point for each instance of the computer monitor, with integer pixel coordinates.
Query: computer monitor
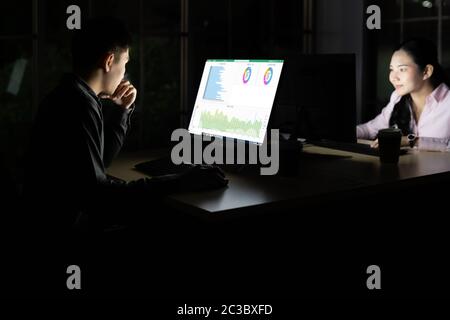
(317, 97)
(235, 98)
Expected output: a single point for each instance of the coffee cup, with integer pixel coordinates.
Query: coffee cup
(389, 142)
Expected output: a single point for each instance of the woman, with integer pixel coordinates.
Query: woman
(420, 104)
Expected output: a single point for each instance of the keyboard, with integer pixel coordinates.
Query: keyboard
(351, 147)
(161, 167)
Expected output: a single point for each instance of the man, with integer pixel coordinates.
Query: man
(73, 142)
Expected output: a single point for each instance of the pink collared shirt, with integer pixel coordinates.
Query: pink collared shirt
(433, 128)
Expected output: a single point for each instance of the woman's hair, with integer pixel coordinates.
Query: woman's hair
(423, 52)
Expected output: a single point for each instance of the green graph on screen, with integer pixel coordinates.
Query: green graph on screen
(219, 121)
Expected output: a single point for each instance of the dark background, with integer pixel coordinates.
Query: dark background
(172, 40)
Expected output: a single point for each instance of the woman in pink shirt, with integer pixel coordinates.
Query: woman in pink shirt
(420, 104)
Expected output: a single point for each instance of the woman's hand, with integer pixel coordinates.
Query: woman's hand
(404, 143)
(374, 144)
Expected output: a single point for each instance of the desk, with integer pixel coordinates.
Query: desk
(318, 178)
(284, 247)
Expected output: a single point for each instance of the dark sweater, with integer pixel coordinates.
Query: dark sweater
(71, 145)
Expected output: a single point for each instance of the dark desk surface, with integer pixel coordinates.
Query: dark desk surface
(288, 251)
(320, 175)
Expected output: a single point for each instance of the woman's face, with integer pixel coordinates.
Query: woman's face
(405, 75)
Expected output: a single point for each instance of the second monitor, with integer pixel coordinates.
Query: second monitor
(316, 98)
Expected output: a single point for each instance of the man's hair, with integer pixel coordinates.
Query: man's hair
(97, 38)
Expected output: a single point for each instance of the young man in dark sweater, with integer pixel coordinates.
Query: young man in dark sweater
(73, 142)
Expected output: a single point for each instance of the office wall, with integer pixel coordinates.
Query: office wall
(339, 29)
(241, 29)
(35, 53)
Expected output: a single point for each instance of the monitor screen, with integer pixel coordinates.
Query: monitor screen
(235, 98)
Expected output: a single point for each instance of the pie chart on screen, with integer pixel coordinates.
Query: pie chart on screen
(247, 75)
(268, 76)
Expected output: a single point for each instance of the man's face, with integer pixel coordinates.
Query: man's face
(117, 71)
